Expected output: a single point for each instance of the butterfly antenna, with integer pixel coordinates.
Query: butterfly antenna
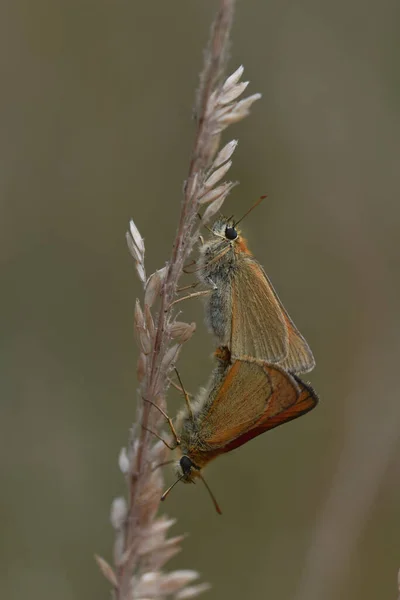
(217, 508)
(261, 198)
(165, 494)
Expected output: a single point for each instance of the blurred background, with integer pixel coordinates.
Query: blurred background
(96, 128)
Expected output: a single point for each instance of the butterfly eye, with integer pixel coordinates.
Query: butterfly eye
(186, 465)
(231, 233)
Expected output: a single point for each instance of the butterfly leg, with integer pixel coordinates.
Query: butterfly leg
(187, 399)
(178, 387)
(169, 421)
(210, 282)
(188, 287)
(194, 295)
(186, 267)
(159, 437)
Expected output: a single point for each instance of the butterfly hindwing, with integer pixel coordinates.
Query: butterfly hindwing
(250, 394)
(253, 398)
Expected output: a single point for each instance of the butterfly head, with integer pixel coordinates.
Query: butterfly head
(186, 469)
(225, 228)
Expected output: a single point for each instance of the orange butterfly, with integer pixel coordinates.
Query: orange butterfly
(243, 309)
(243, 400)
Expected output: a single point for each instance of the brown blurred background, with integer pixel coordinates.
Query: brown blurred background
(96, 128)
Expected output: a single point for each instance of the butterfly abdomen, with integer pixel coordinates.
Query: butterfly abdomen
(218, 310)
(219, 276)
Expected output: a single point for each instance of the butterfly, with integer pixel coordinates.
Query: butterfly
(243, 400)
(242, 309)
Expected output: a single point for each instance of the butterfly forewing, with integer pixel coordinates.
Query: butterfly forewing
(261, 327)
(258, 328)
(300, 358)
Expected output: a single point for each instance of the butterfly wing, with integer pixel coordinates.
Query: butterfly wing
(306, 401)
(249, 401)
(300, 359)
(258, 329)
(261, 327)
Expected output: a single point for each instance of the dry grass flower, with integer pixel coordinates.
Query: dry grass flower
(141, 546)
